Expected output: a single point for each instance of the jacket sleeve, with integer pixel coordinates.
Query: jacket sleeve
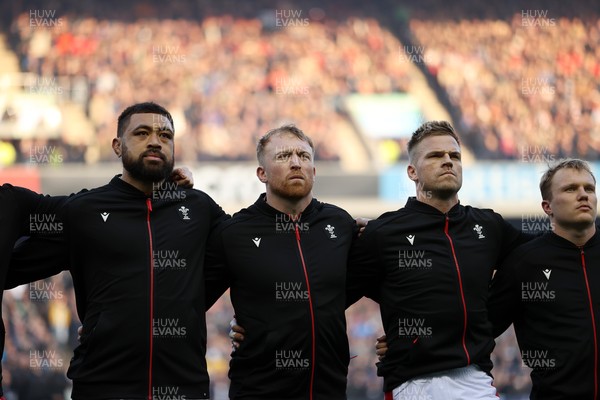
(216, 280)
(363, 274)
(37, 258)
(27, 202)
(217, 215)
(51, 206)
(30, 203)
(45, 252)
(512, 238)
(503, 303)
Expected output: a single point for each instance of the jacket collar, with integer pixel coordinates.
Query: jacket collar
(263, 206)
(560, 241)
(122, 186)
(418, 206)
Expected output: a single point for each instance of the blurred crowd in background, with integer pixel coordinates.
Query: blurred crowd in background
(230, 72)
(517, 84)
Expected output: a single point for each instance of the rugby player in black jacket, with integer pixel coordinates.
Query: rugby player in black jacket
(429, 266)
(135, 249)
(285, 259)
(550, 289)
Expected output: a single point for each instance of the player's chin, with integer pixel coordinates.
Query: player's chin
(449, 180)
(584, 219)
(448, 188)
(588, 216)
(298, 191)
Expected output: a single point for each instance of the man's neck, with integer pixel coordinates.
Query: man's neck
(441, 204)
(288, 206)
(576, 235)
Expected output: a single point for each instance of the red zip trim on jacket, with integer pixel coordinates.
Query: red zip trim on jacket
(312, 315)
(587, 286)
(149, 206)
(462, 294)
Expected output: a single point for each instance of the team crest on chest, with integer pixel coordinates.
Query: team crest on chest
(330, 232)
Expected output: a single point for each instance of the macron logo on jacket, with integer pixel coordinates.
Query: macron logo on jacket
(547, 273)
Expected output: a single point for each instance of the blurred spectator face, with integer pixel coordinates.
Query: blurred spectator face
(574, 202)
(437, 167)
(289, 169)
(147, 147)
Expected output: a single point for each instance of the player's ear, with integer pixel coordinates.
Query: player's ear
(547, 208)
(261, 174)
(116, 145)
(411, 171)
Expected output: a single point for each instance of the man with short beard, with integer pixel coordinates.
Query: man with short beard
(429, 266)
(285, 258)
(135, 249)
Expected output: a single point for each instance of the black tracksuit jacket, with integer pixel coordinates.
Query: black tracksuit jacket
(430, 273)
(550, 289)
(287, 278)
(22, 212)
(137, 264)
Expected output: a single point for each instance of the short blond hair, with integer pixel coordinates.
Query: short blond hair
(546, 181)
(291, 129)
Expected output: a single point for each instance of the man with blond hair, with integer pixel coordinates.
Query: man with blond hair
(550, 289)
(429, 266)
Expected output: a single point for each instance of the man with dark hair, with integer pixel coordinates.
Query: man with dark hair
(550, 289)
(285, 259)
(137, 166)
(429, 266)
(163, 116)
(135, 249)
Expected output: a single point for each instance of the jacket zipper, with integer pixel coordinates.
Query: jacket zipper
(462, 294)
(149, 207)
(312, 315)
(589, 294)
